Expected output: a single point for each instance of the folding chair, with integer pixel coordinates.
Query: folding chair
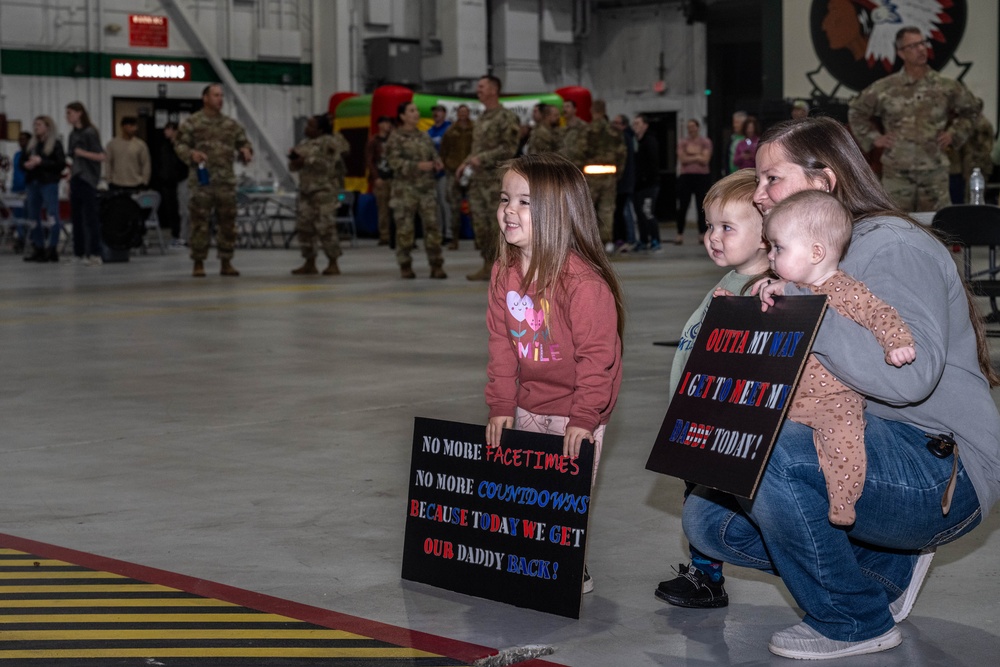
(12, 217)
(970, 225)
(281, 218)
(345, 214)
(251, 219)
(149, 200)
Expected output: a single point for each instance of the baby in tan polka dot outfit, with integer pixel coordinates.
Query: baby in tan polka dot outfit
(809, 233)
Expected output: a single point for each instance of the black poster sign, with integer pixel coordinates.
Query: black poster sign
(505, 523)
(735, 390)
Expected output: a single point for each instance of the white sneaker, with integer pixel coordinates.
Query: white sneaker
(903, 605)
(802, 642)
(609, 248)
(588, 581)
(94, 260)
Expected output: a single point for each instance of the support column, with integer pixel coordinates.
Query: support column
(516, 45)
(188, 26)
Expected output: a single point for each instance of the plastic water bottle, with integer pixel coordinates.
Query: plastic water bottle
(977, 187)
(202, 174)
(466, 176)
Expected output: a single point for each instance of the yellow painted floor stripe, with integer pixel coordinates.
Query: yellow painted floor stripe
(115, 602)
(248, 617)
(35, 562)
(85, 574)
(298, 288)
(92, 588)
(91, 635)
(234, 652)
(110, 624)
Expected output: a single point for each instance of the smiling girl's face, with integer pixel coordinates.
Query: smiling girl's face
(514, 212)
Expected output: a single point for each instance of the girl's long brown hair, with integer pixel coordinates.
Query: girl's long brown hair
(85, 121)
(562, 221)
(816, 143)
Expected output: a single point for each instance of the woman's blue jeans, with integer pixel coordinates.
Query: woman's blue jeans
(844, 579)
(39, 195)
(645, 209)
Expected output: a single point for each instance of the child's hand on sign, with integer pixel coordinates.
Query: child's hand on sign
(900, 356)
(766, 288)
(756, 287)
(495, 427)
(721, 292)
(574, 439)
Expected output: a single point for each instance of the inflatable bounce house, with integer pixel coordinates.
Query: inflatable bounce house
(356, 117)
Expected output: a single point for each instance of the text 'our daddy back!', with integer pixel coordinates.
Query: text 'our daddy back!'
(734, 391)
(506, 523)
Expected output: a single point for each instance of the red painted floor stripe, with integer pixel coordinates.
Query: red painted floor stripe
(392, 634)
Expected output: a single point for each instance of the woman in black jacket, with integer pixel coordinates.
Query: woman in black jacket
(44, 161)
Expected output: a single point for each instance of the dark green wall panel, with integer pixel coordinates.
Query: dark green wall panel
(17, 62)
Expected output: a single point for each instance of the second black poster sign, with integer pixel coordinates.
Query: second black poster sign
(735, 390)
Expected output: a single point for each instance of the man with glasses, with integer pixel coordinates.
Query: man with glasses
(914, 115)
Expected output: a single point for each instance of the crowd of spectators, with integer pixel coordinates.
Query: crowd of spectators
(924, 134)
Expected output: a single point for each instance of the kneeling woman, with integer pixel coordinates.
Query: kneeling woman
(856, 585)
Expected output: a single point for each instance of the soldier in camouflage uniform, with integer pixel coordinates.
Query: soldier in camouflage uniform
(922, 114)
(456, 144)
(574, 136)
(975, 152)
(320, 163)
(494, 139)
(380, 176)
(604, 146)
(977, 149)
(414, 161)
(209, 137)
(546, 136)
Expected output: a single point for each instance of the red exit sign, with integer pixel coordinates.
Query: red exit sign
(146, 30)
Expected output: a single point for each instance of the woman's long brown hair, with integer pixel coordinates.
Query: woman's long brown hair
(818, 143)
(85, 121)
(562, 221)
